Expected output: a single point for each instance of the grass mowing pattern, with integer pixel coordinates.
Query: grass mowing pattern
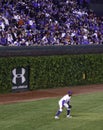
(87, 114)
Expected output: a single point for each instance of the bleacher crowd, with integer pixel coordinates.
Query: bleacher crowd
(48, 22)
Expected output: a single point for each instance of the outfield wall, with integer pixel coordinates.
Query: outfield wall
(50, 67)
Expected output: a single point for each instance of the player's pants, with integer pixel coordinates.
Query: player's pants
(61, 105)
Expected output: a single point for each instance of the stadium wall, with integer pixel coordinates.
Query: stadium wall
(53, 66)
(50, 50)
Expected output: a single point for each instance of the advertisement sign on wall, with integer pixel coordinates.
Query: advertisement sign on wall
(20, 78)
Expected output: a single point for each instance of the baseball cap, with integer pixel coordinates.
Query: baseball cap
(70, 92)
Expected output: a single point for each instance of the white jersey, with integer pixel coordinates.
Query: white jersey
(65, 98)
(63, 102)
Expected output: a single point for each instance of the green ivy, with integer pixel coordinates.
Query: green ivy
(54, 71)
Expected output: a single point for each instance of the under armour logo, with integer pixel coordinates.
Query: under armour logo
(19, 75)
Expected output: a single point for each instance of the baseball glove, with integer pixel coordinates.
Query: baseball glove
(70, 106)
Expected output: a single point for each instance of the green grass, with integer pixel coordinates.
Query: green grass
(87, 114)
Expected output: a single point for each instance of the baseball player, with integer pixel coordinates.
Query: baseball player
(64, 102)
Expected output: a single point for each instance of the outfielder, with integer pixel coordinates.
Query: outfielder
(64, 102)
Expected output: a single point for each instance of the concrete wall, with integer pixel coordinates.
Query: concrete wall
(50, 50)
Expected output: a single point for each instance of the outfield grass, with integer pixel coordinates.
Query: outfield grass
(87, 114)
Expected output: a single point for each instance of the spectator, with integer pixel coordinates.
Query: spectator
(49, 22)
